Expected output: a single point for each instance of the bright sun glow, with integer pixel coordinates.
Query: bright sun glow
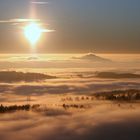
(33, 32)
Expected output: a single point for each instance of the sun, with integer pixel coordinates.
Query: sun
(33, 32)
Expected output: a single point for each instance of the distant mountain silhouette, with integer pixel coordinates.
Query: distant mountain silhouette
(116, 75)
(92, 57)
(13, 76)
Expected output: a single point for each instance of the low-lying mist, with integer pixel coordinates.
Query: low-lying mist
(82, 97)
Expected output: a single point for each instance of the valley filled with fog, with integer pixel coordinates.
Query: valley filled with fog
(78, 96)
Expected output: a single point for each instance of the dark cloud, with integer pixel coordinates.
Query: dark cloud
(87, 88)
(42, 89)
(5, 88)
(123, 130)
(78, 83)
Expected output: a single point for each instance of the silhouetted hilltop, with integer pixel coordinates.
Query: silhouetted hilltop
(13, 76)
(92, 57)
(116, 75)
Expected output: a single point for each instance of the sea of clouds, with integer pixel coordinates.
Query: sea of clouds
(103, 121)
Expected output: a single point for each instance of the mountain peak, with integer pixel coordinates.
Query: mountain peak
(92, 57)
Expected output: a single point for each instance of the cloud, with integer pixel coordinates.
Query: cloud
(19, 20)
(39, 2)
(38, 84)
(38, 90)
(21, 58)
(104, 120)
(70, 88)
(5, 88)
(33, 58)
(100, 122)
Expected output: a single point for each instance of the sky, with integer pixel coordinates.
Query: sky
(80, 26)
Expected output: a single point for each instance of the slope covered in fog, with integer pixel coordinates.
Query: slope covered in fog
(116, 75)
(13, 76)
